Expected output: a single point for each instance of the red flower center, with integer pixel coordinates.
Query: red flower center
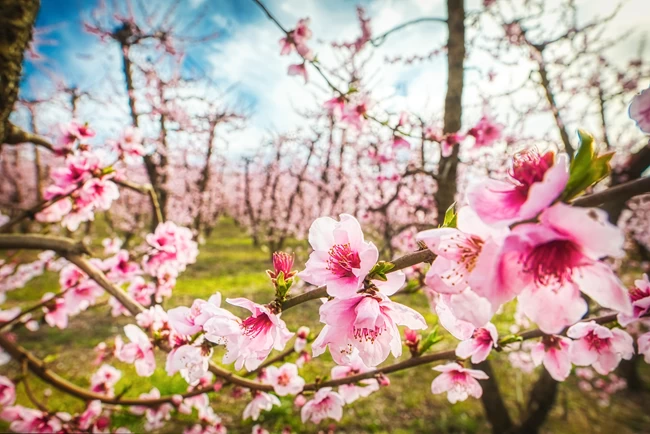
(342, 260)
(529, 167)
(553, 261)
(254, 325)
(597, 343)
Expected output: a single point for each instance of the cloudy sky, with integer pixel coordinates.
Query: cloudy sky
(245, 57)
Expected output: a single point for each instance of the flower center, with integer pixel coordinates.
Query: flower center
(482, 336)
(464, 250)
(552, 261)
(367, 334)
(597, 343)
(283, 379)
(254, 325)
(529, 167)
(342, 260)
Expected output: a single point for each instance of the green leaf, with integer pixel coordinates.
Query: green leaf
(587, 168)
(510, 339)
(451, 217)
(282, 286)
(378, 272)
(431, 339)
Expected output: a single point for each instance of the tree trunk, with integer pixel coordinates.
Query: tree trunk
(495, 409)
(446, 194)
(540, 403)
(17, 19)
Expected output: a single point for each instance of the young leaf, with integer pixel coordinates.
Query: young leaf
(587, 168)
(450, 217)
(431, 339)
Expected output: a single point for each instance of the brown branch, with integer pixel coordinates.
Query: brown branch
(619, 192)
(16, 136)
(40, 369)
(28, 390)
(31, 212)
(377, 41)
(148, 190)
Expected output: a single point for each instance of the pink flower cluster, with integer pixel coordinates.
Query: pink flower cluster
(361, 319)
(297, 39)
(545, 263)
(80, 188)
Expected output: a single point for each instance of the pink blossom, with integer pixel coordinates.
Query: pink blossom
(129, 146)
(286, 46)
(262, 332)
(285, 379)
(56, 312)
(355, 114)
(299, 69)
(301, 33)
(643, 343)
(55, 212)
(469, 256)
(367, 323)
(27, 420)
(640, 298)
(460, 313)
(432, 133)
(262, 401)
(103, 381)
(400, 142)
(120, 268)
(189, 321)
(172, 250)
(553, 352)
(9, 314)
(301, 339)
(155, 416)
(191, 361)
(100, 192)
(74, 131)
(640, 110)
(154, 318)
(558, 258)
(282, 263)
(485, 132)
(458, 382)
(336, 105)
(222, 328)
(325, 404)
(258, 429)
(7, 391)
(78, 168)
(599, 346)
(353, 391)
(535, 182)
(478, 347)
(88, 417)
(81, 212)
(341, 258)
(141, 290)
(84, 294)
(139, 351)
(111, 245)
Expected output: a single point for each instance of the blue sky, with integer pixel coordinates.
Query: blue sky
(246, 54)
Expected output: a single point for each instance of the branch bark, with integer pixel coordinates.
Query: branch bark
(17, 18)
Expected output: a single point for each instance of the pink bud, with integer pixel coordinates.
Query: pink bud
(383, 380)
(299, 401)
(303, 332)
(177, 400)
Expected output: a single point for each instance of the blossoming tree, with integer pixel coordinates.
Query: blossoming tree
(536, 239)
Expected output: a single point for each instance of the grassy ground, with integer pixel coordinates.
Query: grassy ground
(230, 264)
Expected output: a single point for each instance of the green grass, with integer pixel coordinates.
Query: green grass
(229, 263)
